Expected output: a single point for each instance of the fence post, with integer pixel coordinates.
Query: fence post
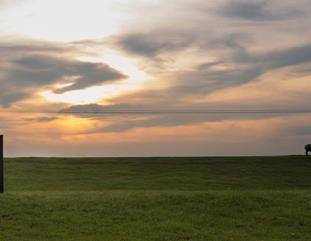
(1, 165)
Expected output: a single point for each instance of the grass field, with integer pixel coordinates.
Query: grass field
(158, 199)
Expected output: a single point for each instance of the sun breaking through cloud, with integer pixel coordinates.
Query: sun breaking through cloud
(154, 55)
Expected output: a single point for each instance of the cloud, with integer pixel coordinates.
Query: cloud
(208, 78)
(152, 113)
(11, 48)
(140, 119)
(288, 57)
(203, 80)
(262, 10)
(197, 54)
(37, 68)
(154, 43)
(84, 108)
(208, 81)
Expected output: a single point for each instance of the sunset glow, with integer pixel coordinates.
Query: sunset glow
(114, 56)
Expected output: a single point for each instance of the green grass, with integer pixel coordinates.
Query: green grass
(157, 199)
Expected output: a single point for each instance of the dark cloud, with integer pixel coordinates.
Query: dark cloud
(27, 69)
(84, 108)
(87, 74)
(10, 52)
(287, 57)
(203, 21)
(154, 43)
(205, 79)
(262, 10)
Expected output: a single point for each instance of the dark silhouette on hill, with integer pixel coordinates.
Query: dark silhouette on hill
(308, 148)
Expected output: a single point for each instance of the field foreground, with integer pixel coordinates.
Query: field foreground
(94, 199)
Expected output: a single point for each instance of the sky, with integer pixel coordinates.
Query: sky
(153, 55)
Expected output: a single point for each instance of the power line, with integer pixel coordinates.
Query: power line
(163, 111)
(195, 112)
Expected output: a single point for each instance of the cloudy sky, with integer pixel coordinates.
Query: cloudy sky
(154, 55)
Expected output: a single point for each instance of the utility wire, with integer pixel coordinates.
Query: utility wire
(163, 111)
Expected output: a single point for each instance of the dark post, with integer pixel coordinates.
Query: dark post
(1, 165)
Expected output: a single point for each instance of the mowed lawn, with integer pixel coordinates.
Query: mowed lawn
(160, 199)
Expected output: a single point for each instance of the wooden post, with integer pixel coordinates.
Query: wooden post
(1, 165)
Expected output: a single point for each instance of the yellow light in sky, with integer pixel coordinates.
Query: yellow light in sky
(126, 66)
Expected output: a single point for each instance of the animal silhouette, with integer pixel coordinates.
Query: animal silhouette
(308, 149)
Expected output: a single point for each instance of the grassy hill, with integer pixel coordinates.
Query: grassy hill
(158, 199)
